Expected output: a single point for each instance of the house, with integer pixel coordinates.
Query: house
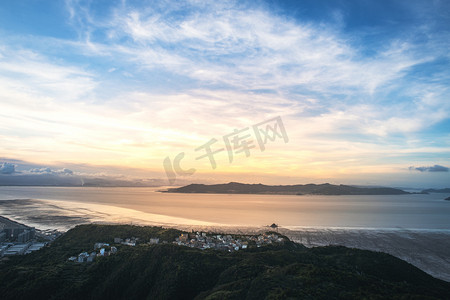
(35, 247)
(129, 242)
(154, 240)
(91, 257)
(16, 249)
(100, 245)
(184, 237)
(82, 257)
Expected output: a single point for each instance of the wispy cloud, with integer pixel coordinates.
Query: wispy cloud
(245, 48)
(22, 69)
(251, 48)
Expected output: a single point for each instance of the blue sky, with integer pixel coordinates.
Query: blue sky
(362, 88)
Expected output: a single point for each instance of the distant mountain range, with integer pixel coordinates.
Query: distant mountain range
(299, 189)
(75, 181)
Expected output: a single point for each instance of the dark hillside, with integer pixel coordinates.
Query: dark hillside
(168, 271)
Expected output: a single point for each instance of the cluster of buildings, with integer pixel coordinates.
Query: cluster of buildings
(20, 235)
(228, 243)
(200, 240)
(265, 239)
(100, 249)
(8, 249)
(128, 242)
(11, 231)
(133, 241)
(104, 249)
(48, 234)
(16, 238)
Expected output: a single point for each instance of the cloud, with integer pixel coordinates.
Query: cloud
(240, 47)
(21, 174)
(141, 83)
(67, 171)
(7, 168)
(50, 171)
(48, 81)
(435, 168)
(249, 47)
(41, 170)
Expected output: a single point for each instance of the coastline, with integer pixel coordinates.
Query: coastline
(426, 249)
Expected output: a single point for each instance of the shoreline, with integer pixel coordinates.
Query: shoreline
(63, 215)
(426, 249)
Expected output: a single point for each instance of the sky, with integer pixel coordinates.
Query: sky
(345, 92)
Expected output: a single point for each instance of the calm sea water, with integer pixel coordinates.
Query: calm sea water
(424, 212)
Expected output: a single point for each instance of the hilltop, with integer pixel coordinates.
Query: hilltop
(299, 189)
(170, 271)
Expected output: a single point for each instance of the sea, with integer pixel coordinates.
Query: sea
(428, 212)
(413, 227)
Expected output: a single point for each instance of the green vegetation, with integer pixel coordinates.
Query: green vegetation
(167, 271)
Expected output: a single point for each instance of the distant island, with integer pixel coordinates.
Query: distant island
(299, 189)
(448, 198)
(443, 191)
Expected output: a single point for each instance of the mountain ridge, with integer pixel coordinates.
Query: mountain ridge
(299, 189)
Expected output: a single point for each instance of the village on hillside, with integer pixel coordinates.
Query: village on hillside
(199, 240)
